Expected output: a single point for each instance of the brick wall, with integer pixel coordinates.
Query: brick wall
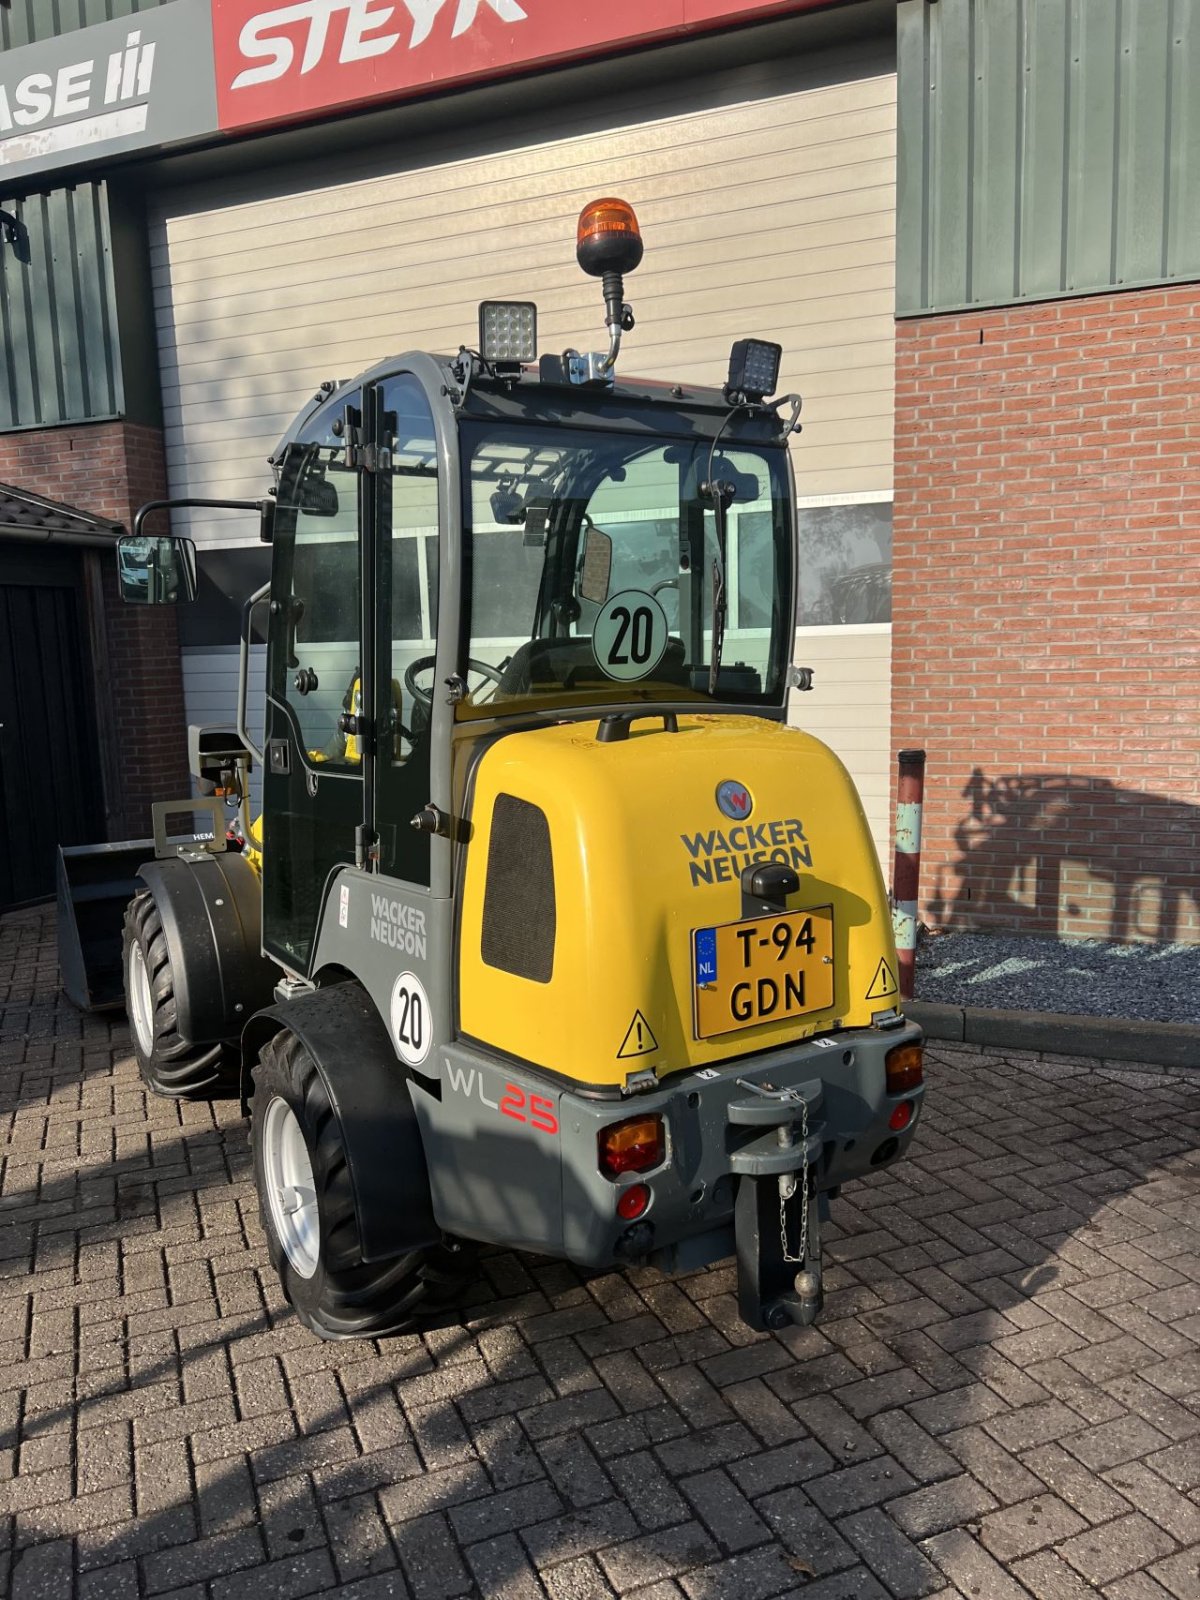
(1046, 641)
(109, 469)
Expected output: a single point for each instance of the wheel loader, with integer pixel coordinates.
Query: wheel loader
(553, 933)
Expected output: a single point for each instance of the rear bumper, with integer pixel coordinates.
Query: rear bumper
(709, 1155)
(514, 1161)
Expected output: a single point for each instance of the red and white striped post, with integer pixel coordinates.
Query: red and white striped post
(910, 797)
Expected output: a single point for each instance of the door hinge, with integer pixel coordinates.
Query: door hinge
(366, 846)
(376, 458)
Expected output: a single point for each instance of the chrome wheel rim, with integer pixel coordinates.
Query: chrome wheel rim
(291, 1192)
(141, 1001)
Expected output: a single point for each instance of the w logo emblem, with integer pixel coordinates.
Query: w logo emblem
(734, 800)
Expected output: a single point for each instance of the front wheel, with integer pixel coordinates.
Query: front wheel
(306, 1201)
(168, 1065)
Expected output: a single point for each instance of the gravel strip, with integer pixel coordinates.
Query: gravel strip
(1090, 978)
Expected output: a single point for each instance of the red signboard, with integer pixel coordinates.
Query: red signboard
(288, 60)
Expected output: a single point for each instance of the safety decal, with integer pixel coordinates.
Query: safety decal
(412, 1031)
(883, 983)
(639, 1040)
(344, 907)
(629, 635)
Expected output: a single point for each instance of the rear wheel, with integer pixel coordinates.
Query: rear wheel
(306, 1201)
(168, 1065)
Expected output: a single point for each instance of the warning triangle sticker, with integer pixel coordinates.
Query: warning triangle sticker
(639, 1041)
(883, 983)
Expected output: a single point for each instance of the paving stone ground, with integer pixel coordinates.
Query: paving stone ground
(1002, 1399)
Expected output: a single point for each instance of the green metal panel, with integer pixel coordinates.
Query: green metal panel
(29, 21)
(60, 351)
(1047, 147)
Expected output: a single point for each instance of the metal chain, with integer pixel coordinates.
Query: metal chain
(783, 1230)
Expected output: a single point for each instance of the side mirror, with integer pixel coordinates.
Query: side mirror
(595, 574)
(156, 571)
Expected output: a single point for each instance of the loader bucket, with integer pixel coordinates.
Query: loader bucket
(95, 884)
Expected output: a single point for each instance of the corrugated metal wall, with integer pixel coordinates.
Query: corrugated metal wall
(28, 21)
(1047, 147)
(59, 358)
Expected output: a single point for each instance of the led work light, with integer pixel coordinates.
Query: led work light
(508, 332)
(753, 369)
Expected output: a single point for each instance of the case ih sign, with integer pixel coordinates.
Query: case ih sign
(287, 62)
(188, 71)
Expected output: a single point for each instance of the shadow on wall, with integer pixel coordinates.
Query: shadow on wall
(1072, 857)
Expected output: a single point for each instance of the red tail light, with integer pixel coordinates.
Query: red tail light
(636, 1145)
(633, 1201)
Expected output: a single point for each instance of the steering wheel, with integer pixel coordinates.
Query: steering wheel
(424, 697)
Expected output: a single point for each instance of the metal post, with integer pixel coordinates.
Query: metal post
(910, 796)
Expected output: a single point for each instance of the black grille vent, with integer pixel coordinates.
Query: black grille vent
(519, 920)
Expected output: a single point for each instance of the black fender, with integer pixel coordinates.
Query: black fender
(211, 911)
(368, 1087)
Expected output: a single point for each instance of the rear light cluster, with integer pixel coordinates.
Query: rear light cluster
(904, 1069)
(638, 1144)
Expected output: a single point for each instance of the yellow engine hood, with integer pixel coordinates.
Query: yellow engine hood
(642, 857)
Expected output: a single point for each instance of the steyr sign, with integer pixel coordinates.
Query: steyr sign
(196, 69)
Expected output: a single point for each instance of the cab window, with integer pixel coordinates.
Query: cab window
(315, 668)
(592, 562)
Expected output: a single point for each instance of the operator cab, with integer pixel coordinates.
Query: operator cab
(466, 545)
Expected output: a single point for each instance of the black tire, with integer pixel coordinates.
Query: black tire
(344, 1297)
(169, 1067)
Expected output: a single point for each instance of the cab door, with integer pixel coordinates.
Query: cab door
(312, 771)
(406, 586)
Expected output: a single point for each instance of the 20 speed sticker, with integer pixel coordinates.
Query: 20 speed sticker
(629, 635)
(411, 1019)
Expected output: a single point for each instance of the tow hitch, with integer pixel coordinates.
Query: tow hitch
(776, 1214)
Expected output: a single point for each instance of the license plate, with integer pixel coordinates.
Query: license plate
(766, 969)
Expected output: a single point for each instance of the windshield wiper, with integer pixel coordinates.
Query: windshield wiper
(721, 494)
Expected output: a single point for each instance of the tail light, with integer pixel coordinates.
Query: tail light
(904, 1068)
(636, 1145)
(632, 1202)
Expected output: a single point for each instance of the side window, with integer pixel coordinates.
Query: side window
(408, 606)
(315, 669)
(407, 421)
